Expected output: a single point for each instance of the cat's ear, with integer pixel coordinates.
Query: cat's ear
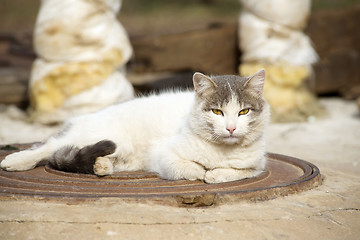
(256, 81)
(203, 84)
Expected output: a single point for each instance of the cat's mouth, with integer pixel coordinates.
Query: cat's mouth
(231, 136)
(231, 139)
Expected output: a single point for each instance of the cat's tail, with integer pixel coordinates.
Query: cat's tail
(74, 159)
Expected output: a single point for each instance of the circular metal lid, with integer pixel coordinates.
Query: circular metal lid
(284, 175)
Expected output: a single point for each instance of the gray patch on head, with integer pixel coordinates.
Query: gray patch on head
(234, 88)
(229, 87)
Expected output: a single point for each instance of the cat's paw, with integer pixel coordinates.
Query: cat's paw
(103, 166)
(215, 176)
(193, 174)
(17, 162)
(183, 170)
(220, 175)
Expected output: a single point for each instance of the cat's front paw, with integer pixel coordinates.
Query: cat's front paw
(187, 170)
(17, 162)
(215, 176)
(103, 166)
(193, 174)
(220, 175)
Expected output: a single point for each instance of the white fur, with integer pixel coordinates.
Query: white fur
(165, 134)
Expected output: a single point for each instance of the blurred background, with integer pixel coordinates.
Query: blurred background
(156, 16)
(161, 31)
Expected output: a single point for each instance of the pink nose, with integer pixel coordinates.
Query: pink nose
(231, 129)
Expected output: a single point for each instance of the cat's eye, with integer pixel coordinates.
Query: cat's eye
(244, 111)
(217, 111)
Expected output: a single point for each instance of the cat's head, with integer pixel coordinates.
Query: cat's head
(229, 109)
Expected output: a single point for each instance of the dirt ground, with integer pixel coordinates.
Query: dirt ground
(330, 211)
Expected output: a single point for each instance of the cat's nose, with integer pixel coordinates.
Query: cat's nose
(230, 129)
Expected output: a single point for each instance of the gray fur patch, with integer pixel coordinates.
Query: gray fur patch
(231, 86)
(65, 154)
(73, 159)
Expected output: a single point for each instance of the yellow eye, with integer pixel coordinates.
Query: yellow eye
(244, 111)
(217, 111)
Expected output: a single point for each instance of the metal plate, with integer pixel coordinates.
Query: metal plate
(284, 175)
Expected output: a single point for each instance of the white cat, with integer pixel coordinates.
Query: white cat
(215, 134)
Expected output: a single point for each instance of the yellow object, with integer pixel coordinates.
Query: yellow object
(59, 84)
(286, 92)
(283, 75)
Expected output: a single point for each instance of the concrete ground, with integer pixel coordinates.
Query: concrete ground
(330, 211)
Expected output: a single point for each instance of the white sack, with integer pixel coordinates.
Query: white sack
(290, 13)
(79, 30)
(268, 42)
(81, 47)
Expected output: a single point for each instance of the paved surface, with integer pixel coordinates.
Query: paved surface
(330, 211)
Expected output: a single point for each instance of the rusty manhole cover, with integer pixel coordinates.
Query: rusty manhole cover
(284, 175)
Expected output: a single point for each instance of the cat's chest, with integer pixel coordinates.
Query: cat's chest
(211, 155)
(219, 156)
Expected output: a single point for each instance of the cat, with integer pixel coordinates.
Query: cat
(214, 133)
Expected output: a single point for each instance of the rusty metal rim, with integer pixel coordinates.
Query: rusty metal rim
(310, 171)
(284, 175)
(128, 175)
(181, 185)
(134, 182)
